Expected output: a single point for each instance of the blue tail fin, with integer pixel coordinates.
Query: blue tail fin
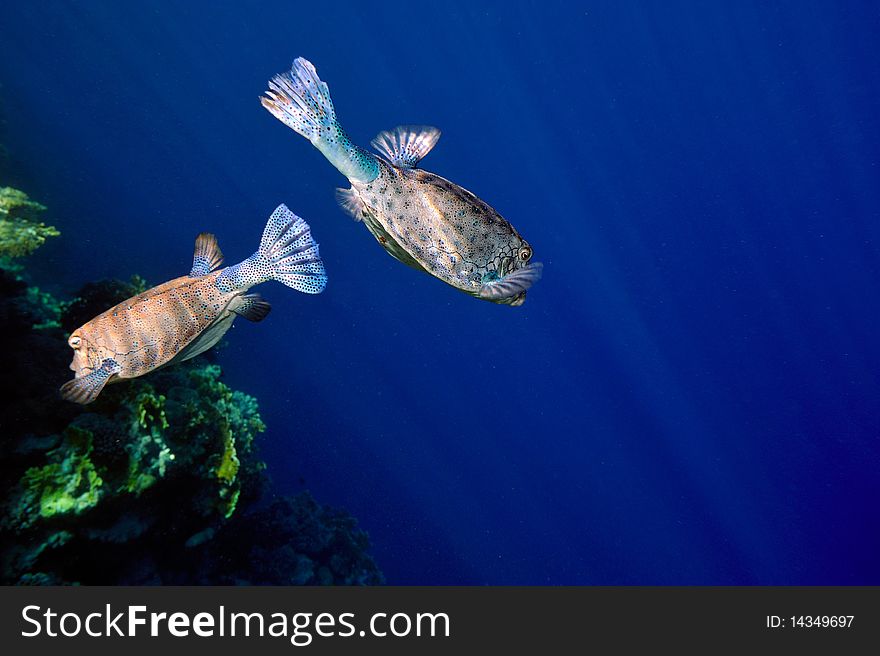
(291, 254)
(301, 101)
(287, 253)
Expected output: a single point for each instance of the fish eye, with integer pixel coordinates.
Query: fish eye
(74, 341)
(525, 253)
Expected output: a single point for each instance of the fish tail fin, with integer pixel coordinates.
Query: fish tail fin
(287, 253)
(291, 252)
(301, 100)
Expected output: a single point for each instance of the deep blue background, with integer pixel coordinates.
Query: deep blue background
(690, 396)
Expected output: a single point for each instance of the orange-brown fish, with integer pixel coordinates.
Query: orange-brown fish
(186, 316)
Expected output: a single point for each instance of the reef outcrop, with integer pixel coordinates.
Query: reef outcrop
(157, 482)
(21, 231)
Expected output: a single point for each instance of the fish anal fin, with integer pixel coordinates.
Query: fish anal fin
(252, 307)
(406, 145)
(207, 255)
(84, 390)
(207, 339)
(350, 202)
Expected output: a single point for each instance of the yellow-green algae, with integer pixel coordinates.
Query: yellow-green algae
(21, 232)
(68, 483)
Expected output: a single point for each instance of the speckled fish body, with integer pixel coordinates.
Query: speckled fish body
(184, 317)
(420, 218)
(157, 327)
(433, 224)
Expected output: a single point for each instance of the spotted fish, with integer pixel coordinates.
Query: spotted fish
(186, 316)
(423, 220)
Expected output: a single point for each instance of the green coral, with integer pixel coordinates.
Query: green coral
(138, 285)
(237, 419)
(68, 484)
(234, 420)
(15, 204)
(199, 417)
(149, 453)
(150, 411)
(231, 499)
(227, 470)
(21, 233)
(178, 429)
(47, 308)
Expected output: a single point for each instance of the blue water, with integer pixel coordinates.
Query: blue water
(690, 396)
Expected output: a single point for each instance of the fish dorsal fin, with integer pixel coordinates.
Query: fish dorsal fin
(406, 145)
(207, 256)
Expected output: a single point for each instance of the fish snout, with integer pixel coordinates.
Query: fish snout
(86, 357)
(79, 362)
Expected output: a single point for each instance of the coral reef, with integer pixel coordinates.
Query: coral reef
(157, 482)
(291, 541)
(68, 483)
(21, 233)
(167, 452)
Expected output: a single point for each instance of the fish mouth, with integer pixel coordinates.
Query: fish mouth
(510, 289)
(85, 360)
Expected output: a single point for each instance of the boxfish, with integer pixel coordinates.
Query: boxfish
(186, 316)
(420, 218)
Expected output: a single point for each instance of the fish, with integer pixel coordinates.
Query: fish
(184, 317)
(419, 218)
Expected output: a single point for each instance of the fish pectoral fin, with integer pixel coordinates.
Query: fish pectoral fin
(512, 284)
(253, 307)
(350, 202)
(406, 145)
(86, 389)
(207, 255)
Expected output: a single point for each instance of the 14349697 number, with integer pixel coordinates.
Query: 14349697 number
(822, 621)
